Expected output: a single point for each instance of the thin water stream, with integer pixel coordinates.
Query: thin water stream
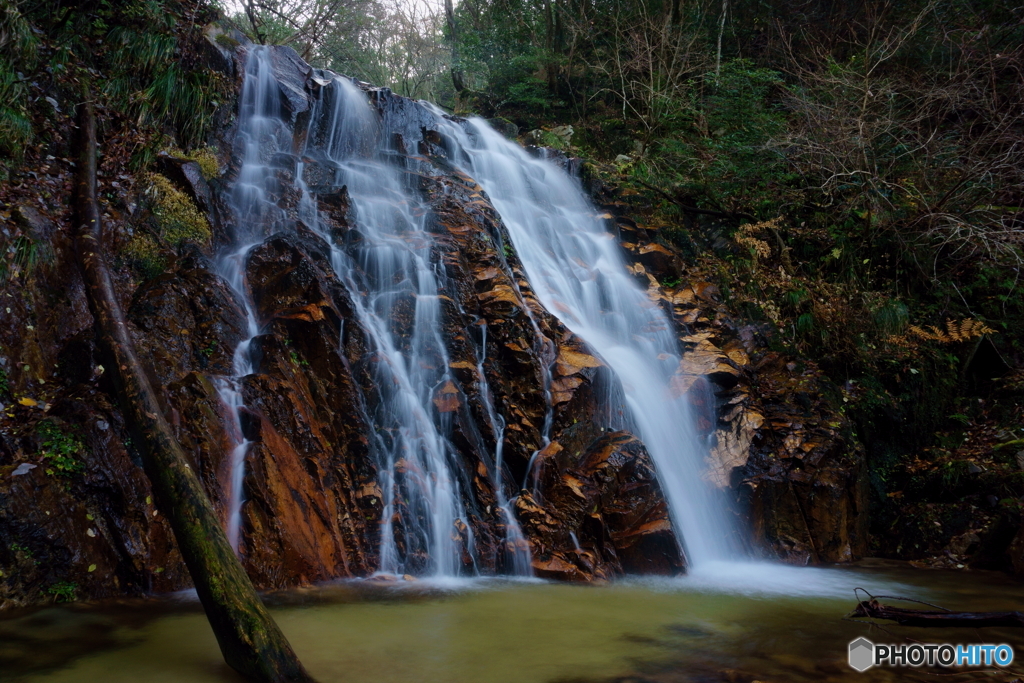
(500, 631)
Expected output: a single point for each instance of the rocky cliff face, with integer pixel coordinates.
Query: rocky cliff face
(782, 454)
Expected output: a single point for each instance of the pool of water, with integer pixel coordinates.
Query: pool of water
(733, 623)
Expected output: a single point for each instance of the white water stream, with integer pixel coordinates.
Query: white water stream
(390, 268)
(572, 263)
(261, 133)
(389, 272)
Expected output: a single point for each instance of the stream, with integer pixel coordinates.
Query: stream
(702, 627)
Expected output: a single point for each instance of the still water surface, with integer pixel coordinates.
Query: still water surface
(710, 627)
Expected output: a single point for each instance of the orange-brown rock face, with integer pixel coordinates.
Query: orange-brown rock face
(312, 500)
(598, 513)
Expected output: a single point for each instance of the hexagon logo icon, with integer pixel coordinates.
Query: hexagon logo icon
(862, 654)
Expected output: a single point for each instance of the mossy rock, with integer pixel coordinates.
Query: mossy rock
(206, 157)
(144, 255)
(226, 41)
(177, 219)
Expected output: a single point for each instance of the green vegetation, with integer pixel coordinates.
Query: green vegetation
(173, 222)
(145, 56)
(23, 255)
(18, 49)
(206, 157)
(64, 591)
(177, 219)
(145, 255)
(60, 449)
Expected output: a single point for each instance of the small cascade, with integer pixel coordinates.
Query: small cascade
(261, 133)
(389, 273)
(517, 543)
(574, 266)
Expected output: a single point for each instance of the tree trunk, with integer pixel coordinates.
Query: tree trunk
(250, 640)
(458, 81)
(721, 32)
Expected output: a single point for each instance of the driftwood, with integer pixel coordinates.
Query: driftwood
(915, 617)
(250, 640)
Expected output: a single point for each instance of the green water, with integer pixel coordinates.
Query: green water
(500, 632)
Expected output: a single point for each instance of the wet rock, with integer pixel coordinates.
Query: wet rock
(201, 424)
(220, 46)
(189, 179)
(781, 449)
(505, 127)
(290, 276)
(1016, 552)
(94, 532)
(599, 513)
(313, 505)
(38, 226)
(291, 73)
(188, 320)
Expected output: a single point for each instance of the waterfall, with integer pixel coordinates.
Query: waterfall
(574, 265)
(387, 269)
(387, 264)
(390, 266)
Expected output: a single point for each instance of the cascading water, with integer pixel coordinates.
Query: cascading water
(387, 267)
(390, 267)
(389, 274)
(261, 133)
(574, 266)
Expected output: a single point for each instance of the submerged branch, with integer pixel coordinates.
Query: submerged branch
(915, 617)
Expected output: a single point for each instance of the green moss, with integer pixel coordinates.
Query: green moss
(5, 386)
(206, 157)
(144, 255)
(224, 40)
(177, 218)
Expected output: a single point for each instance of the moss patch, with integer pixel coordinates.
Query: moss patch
(177, 219)
(144, 255)
(206, 157)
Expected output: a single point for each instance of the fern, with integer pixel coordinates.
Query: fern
(745, 236)
(954, 333)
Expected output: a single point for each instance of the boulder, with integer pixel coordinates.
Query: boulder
(599, 513)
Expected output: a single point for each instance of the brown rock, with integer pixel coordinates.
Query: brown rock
(599, 513)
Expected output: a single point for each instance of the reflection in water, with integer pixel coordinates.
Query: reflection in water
(497, 631)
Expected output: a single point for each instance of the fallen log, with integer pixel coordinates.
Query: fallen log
(250, 640)
(915, 617)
